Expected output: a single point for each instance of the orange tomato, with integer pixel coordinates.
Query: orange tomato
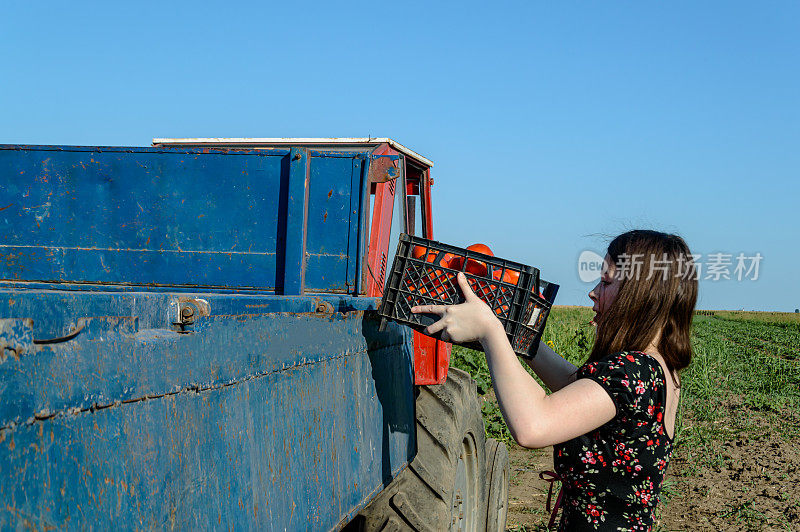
(513, 277)
(417, 252)
(441, 277)
(481, 248)
(447, 260)
(431, 282)
(477, 267)
(508, 276)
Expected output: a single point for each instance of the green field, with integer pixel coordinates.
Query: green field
(736, 457)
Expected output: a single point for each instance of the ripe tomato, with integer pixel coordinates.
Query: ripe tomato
(481, 248)
(513, 277)
(508, 276)
(477, 267)
(456, 262)
(447, 260)
(441, 277)
(500, 311)
(433, 282)
(417, 252)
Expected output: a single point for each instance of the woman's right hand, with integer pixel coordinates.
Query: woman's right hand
(469, 321)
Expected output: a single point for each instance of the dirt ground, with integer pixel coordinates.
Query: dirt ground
(527, 494)
(754, 487)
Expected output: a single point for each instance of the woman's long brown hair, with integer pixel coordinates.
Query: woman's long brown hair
(658, 291)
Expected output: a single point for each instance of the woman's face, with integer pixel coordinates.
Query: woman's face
(605, 292)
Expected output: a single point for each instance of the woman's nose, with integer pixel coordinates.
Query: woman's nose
(592, 294)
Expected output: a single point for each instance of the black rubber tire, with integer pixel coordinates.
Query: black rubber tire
(498, 473)
(421, 498)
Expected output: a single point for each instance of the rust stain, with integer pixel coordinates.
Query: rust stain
(6, 207)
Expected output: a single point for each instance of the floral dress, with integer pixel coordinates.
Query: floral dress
(612, 476)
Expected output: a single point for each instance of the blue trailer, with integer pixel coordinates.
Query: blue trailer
(188, 339)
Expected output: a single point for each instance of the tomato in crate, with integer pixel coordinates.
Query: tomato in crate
(424, 273)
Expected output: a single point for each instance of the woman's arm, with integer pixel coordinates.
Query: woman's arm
(534, 418)
(552, 368)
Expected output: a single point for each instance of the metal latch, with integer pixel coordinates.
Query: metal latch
(186, 310)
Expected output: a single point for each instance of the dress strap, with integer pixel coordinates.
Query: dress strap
(551, 477)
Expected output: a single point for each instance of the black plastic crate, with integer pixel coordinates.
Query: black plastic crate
(522, 306)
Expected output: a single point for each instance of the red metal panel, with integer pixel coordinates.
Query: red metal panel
(428, 182)
(380, 227)
(431, 356)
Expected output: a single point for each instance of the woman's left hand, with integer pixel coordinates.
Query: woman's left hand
(470, 321)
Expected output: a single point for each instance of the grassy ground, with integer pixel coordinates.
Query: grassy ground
(737, 451)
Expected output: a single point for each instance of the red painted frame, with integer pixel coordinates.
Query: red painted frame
(431, 356)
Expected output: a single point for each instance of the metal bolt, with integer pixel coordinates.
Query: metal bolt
(187, 312)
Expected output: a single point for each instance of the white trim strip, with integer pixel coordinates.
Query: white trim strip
(268, 142)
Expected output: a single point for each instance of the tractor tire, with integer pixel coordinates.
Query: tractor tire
(444, 487)
(498, 473)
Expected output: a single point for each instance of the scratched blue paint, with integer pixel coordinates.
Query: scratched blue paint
(273, 411)
(174, 217)
(16, 337)
(329, 220)
(293, 267)
(256, 418)
(358, 187)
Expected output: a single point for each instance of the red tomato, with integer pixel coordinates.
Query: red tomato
(441, 277)
(447, 260)
(418, 252)
(456, 262)
(433, 281)
(481, 248)
(511, 277)
(477, 267)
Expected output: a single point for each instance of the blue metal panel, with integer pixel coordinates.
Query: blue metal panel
(268, 411)
(175, 217)
(296, 223)
(255, 419)
(357, 187)
(329, 220)
(139, 216)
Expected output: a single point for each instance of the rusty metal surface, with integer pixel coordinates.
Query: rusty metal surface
(150, 376)
(169, 217)
(272, 412)
(16, 338)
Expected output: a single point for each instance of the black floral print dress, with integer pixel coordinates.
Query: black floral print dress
(612, 476)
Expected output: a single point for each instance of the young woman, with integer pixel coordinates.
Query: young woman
(612, 420)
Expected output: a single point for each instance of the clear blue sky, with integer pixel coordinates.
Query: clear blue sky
(549, 123)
